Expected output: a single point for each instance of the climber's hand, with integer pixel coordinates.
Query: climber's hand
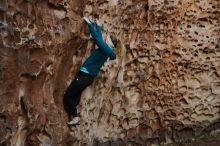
(86, 19)
(97, 22)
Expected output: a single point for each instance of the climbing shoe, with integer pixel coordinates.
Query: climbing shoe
(74, 121)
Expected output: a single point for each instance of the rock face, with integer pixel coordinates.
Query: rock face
(164, 85)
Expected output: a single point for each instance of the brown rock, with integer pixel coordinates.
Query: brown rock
(164, 85)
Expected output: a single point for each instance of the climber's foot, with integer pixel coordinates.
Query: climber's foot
(74, 121)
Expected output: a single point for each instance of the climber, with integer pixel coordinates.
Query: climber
(88, 71)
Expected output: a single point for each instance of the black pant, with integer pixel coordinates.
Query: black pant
(73, 92)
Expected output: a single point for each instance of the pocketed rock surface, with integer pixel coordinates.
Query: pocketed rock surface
(163, 87)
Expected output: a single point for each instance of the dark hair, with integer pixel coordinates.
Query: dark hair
(114, 40)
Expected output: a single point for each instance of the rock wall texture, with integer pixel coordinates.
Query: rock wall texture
(164, 85)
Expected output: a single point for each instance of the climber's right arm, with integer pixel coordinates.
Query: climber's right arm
(98, 39)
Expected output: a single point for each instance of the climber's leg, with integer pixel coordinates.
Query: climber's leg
(75, 120)
(69, 98)
(83, 80)
(73, 93)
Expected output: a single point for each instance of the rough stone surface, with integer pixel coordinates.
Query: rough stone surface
(163, 87)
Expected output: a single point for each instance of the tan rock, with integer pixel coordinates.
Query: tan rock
(163, 86)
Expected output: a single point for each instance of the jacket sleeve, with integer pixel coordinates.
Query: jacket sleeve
(94, 34)
(100, 43)
(112, 56)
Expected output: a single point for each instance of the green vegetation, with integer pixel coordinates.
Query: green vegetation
(197, 141)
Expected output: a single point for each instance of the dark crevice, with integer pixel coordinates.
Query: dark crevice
(2, 118)
(28, 75)
(57, 6)
(23, 108)
(146, 7)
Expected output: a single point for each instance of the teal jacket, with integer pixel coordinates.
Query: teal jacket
(99, 56)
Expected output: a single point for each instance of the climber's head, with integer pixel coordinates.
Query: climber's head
(110, 40)
(119, 48)
(114, 41)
